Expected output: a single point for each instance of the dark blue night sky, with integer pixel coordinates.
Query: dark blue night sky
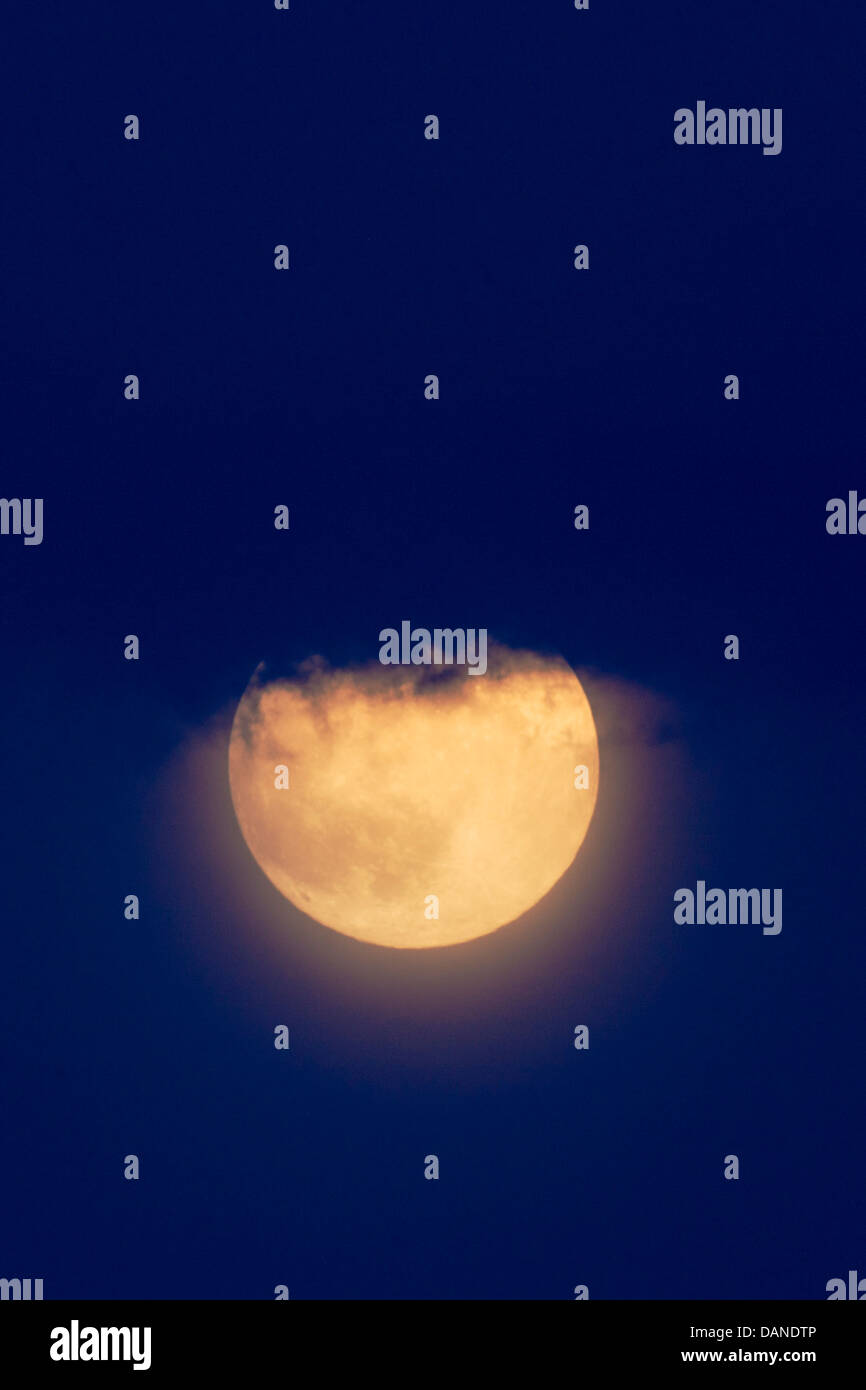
(604, 387)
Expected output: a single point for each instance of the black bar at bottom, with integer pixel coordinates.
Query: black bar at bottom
(307, 1339)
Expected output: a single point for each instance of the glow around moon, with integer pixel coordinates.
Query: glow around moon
(413, 794)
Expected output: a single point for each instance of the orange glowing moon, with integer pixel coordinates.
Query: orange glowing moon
(412, 794)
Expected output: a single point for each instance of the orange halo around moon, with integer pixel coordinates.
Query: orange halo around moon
(411, 793)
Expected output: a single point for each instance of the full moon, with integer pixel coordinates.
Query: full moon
(414, 808)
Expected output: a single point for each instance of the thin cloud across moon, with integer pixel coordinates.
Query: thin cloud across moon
(412, 794)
